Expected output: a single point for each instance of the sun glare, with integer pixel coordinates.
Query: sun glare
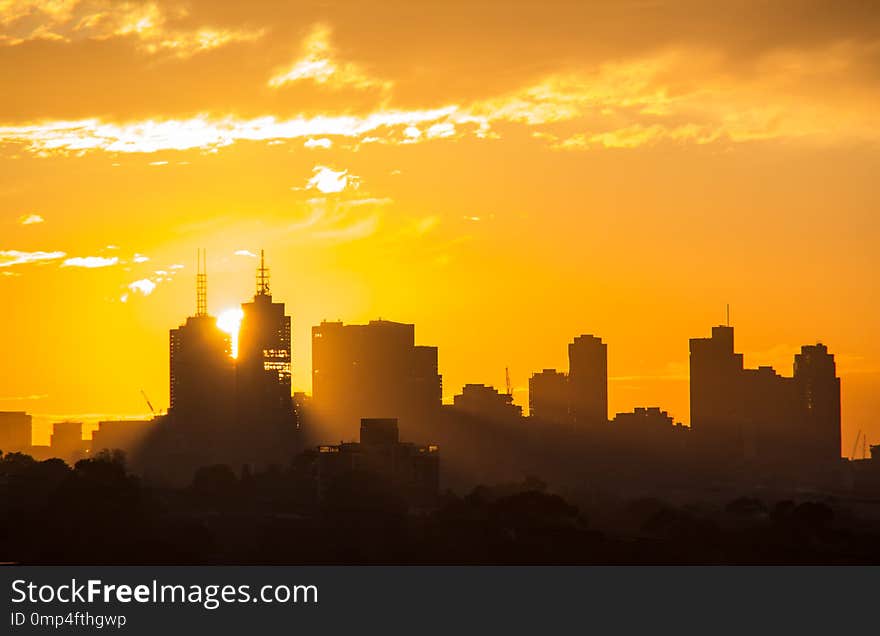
(229, 320)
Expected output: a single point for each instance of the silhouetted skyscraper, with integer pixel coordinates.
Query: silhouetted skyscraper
(201, 365)
(201, 369)
(549, 397)
(758, 415)
(588, 381)
(818, 388)
(373, 371)
(264, 353)
(716, 393)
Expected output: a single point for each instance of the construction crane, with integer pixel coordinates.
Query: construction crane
(150, 404)
(856, 445)
(507, 380)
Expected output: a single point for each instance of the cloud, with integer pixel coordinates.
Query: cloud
(31, 219)
(144, 23)
(318, 143)
(140, 258)
(327, 180)
(144, 286)
(90, 262)
(9, 258)
(203, 131)
(318, 64)
(23, 398)
(247, 253)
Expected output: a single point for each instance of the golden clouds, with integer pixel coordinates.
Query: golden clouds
(10, 258)
(681, 96)
(318, 63)
(149, 25)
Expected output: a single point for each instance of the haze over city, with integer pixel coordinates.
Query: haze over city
(504, 176)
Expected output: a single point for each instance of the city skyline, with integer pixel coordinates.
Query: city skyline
(357, 366)
(504, 176)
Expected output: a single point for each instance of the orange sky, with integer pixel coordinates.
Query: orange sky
(506, 175)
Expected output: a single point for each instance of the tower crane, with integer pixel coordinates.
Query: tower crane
(855, 445)
(149, 404)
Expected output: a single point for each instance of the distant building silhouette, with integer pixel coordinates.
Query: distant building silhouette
(124, 435)
(67, 442)
(715, 393)
(372, 370)
(818, 390)
(202, 370)
(15, 431)
(486, 402)
(650, 428)
(263, 366)
(549, 397)
(378, 467)
(588, 381)
(758, 415)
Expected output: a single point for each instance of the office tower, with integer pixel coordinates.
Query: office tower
(201, 364)
(818, 390)
(549, 397)
(768, 417)
(715, 393)
(264, 355)
(15, 431)
(375, 371)
(588, 381)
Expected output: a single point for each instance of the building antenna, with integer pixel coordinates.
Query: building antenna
(202, 283)
(263, 276)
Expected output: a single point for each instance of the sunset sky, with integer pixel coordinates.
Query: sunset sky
(506, 175)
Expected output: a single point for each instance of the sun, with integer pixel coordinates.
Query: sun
(229, 320)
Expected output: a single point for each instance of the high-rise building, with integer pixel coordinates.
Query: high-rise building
(818, 389)
(588, 381)
(715, 393)
(549, 397)
(201, 364)
(374, 371)
(758, 415)
(15, 431)
(264, 355)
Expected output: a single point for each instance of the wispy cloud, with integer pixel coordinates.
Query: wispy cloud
(90, 262)
(144, 23)
(318, 63)
(205, 132)
(9, 258)
(23, 398)
(31, 219)
(247, 253)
